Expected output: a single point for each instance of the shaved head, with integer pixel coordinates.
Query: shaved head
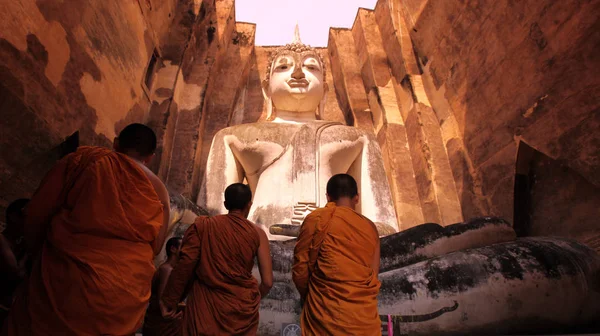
(137, 138)
(341, 185)
(237, 196)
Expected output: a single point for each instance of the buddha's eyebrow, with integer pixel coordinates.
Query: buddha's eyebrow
(283, 60)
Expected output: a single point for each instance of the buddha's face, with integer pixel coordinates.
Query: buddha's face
(296, 81)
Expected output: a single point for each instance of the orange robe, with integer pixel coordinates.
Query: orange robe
(216, 261)
(333, 273)
(154, 323)
(100, 214)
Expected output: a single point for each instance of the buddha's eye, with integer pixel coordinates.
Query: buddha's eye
(283, 67)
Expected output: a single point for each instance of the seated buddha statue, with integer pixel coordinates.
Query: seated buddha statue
(288, 158)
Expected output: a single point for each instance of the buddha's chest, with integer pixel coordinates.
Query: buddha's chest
(301, 149)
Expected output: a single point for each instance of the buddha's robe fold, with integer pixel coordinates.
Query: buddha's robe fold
(333, 273)
(93, 274)
(215, 264)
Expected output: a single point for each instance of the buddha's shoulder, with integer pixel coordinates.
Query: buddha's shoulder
(337, 131)
(258, 127)
(269, 131)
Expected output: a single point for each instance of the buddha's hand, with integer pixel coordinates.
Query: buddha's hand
(384, 229)
(288, 230)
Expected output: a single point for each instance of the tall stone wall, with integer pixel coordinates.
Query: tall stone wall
(380, 85)
(453, 89)
(502, 74)
(76, 66)
(211, 81)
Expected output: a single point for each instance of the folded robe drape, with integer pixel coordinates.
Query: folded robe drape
(154, 323)
(333, 273)
(95, 266)
(216, 261)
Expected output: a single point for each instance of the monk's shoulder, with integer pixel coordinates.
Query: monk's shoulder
(369, 223)
(260, 233)
(255, 228)
(200, 220)
(151, 176)
(91, 150)
(159, 186)
(216, 220)
(87, 153)
(353, 216)
(317, 214)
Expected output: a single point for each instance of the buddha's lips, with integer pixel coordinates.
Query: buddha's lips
(297, 83)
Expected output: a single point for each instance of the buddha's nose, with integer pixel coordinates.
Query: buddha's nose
(298, 73)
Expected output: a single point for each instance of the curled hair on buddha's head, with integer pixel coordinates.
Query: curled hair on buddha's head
(296, 48)
(237, 196)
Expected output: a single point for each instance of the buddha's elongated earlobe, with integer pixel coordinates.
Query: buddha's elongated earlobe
(321, 108)
(268, 101)
(270, 110)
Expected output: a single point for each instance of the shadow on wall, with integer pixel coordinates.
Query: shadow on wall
(514, 72)
(67, 67)
(552, 199)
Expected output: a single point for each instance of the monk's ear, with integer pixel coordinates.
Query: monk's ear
(148, 158)
(328, 198)
(356, 199)
(247, 209)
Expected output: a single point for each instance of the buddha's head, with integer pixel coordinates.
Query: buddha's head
(295, 80)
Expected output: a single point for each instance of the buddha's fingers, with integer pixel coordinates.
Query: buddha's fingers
(288, 230)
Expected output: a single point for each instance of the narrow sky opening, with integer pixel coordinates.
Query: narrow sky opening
(275, 19)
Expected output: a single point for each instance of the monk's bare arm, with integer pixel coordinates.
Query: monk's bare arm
(182, 272)
(164, 272)
(301, 255)
(43, 205)
(8, 262)
(163, 195)
(265, 264)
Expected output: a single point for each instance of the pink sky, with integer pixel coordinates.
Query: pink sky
(275, 19)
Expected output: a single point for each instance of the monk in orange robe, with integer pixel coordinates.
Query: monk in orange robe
(336, 262)
(13, 257)
(154, 323)
(216, 261)
(93, 228)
